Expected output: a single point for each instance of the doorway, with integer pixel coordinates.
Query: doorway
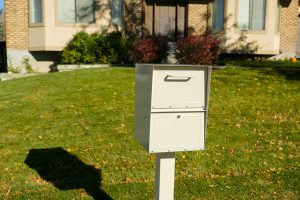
(166, 18)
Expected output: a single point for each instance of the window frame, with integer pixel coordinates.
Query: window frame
(31, 23)
(74, 24)
(249, 30)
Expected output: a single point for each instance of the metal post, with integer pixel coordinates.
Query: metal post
(164, 176)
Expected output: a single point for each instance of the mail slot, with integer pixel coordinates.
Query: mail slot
(171, 107)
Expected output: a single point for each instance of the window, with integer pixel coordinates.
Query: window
(218, 15)
(72, 11)
(251, 15)
(116, 12)
(36, 11)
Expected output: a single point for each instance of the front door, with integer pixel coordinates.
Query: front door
(165, 19)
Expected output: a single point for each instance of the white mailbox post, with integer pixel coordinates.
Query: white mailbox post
(171, 103)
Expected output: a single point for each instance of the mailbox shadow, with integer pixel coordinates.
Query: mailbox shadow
(65, 171)
(289, 73)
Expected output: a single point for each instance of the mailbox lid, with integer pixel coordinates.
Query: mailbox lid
(179, 87)
(172, 132)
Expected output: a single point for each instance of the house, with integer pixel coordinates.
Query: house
(39, 29)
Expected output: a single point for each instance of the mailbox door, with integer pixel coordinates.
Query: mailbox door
(178, 88)
(177, 132)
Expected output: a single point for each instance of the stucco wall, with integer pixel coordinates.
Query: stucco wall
(54, 35)
(234, 40)
(253, 42)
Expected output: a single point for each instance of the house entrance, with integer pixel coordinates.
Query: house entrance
(165, 18)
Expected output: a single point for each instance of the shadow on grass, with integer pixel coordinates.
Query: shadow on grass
(288, 73)
(290, 70)
(65, 171)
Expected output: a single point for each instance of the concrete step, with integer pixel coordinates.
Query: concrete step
(171, 59)
(171, 47)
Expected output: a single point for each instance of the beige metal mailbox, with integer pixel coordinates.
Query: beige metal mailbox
(171, 107)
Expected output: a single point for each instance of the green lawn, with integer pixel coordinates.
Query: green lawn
(70, 136)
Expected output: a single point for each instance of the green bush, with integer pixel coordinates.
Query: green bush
(26, 64)
(104, 48)
(130, 46)
(78, 50)
(118, 43)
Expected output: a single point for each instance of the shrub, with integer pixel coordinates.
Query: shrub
(110, 48)
(26, 64)
(102, 48)
(150, 50)
(10, 66)
(79, 50)
(130, 45)
(198, 50)
(117, 42)
(103, 52)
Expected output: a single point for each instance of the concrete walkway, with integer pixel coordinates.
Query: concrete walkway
(7, 76)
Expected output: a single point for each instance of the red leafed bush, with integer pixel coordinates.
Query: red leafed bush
(198, 50)
(150, 50)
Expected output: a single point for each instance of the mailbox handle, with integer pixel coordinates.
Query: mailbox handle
(170, 78)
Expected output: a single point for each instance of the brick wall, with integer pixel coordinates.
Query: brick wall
(16, 22)
(197, 17)
(288, 26)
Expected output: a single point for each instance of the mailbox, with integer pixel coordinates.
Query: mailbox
(171, 106)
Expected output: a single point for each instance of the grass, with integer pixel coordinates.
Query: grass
(70, 136)
(262, 64)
